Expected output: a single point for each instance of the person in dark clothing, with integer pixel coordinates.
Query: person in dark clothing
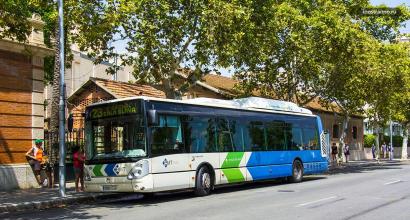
(334, 152)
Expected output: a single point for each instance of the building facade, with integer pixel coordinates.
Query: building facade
(21, 105)
(82, 68)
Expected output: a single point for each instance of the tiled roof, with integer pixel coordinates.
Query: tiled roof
(223, 83)
(315, 105)
(123, 89)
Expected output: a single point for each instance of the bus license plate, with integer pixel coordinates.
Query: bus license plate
(109, 188)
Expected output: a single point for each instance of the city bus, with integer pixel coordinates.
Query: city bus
(147, 145)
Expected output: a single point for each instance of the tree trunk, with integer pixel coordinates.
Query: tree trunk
(56, 87)
(377, 143)
(343, 136)
(168, 89)
(405, 140)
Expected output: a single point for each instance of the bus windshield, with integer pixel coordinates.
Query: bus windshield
(116, 138)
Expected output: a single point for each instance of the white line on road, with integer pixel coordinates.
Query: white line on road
(316, 201)
(393, 182)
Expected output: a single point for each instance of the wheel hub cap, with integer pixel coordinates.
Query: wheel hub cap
(206, 180)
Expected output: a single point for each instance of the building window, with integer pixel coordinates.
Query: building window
(335, 131)
(354, 132)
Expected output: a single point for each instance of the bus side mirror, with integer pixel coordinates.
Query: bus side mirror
(153, 119)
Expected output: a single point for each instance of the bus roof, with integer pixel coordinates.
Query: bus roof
(250, 103)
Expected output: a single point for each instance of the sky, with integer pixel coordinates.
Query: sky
(394, 3)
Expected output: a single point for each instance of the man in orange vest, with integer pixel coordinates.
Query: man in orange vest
(36, 155)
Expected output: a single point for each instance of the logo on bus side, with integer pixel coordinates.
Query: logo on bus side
(166, 162)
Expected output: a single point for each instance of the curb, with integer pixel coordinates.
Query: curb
(58, 202)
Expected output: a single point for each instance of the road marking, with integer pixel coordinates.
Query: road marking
(316, 201)
(393, 182)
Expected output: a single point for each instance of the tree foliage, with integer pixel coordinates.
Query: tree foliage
(300, 50)
(160, 36)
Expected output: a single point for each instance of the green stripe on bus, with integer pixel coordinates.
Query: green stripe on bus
(233, 175)
(233, 159)
(97, 170)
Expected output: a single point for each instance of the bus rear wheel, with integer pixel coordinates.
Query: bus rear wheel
(297, 172)
(203, 184)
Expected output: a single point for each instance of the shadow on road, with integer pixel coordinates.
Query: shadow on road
(365, 167)
(134, 200)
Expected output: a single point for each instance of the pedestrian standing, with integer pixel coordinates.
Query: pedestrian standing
(390, 148)
(35, 155)
(48, 167)
(384, 150)
(334, 152)
(346, 152)
(78, 164)
(374, 151)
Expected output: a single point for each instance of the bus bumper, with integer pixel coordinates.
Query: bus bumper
(119, 184)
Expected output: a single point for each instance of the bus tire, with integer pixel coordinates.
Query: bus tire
(203, 182)
(297, 172)
(148, 195)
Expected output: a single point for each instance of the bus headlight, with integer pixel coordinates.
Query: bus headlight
(140, 169)
(87, 177)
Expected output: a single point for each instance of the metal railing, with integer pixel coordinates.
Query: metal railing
(72, 139)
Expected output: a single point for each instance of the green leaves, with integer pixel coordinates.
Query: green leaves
(161, 36)
(14, 19)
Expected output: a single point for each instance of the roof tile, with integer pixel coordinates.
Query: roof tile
(123, 89)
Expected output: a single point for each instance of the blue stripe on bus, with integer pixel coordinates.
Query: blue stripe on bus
(268, 172)
(271, 164)
(283, 157)
(109, 169)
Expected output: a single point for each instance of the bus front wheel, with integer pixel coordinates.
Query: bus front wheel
(297, 172)
(203, 184)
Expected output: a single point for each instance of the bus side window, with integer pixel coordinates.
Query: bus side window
(199, 133)
(275, 135)
(310, 139)
(295, 139)
(257, 135)
(225, 142)
(167, 136)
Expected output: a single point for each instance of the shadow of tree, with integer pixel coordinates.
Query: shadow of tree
(367, 167)
(135, 200)
(4, 146)
(7, 173)
(131, 201)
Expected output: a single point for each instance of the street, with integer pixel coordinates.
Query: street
(379, 192)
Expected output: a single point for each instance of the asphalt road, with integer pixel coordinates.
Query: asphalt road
(371, 193)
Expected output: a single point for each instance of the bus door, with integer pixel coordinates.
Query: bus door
(169, 155)
(200, 139)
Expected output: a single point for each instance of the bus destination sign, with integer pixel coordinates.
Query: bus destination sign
(118, 109)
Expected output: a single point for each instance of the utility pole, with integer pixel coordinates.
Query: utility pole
(61, 126)
(391, 141)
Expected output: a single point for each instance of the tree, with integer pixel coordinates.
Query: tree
(160, 36)
(14, 19)
(304, 50)
(282, 50)
(401, 97)
(387, 86)
(292, 49)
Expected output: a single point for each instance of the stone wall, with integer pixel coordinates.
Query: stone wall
(16, 176)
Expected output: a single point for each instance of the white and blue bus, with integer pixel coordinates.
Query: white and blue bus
(147, 145)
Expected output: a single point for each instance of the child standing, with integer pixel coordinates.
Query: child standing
(78, 164)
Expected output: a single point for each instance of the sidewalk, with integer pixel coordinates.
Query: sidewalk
(42, 198)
